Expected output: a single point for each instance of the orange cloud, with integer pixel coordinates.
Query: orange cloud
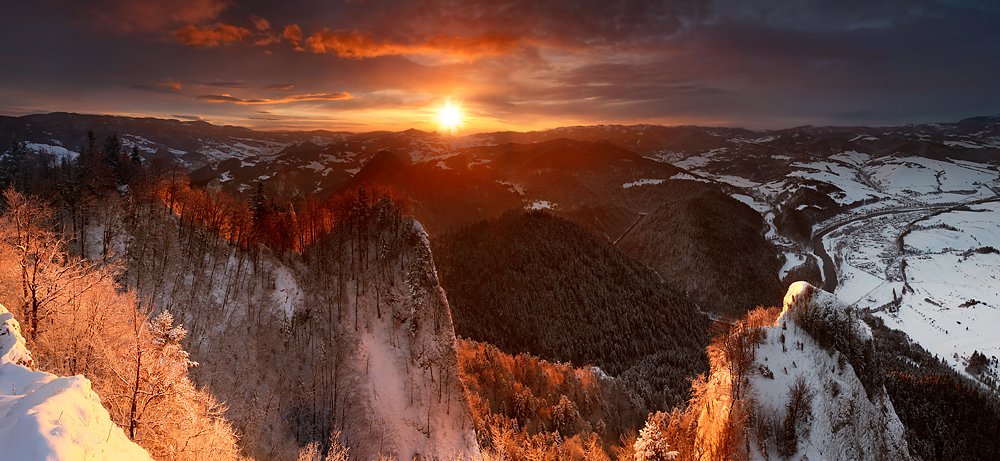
(279, 86)
(225, 98)
(218, 34)
(350, 44)
(482, 45)
(357, 45)
(260, 23)
(294, 35)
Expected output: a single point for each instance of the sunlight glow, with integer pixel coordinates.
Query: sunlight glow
(450, 117)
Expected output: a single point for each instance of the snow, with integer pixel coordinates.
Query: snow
(642, 182)
(842, 174)
(694, 161)
(735, 181)
(286, 291)
(844, 424)
(941, 271)
(759, 207)
(47, 417)
(405, 365)
(513, 187)
(688, 177)
(965, 144)
(59, 151)
(930, 180)
(541, 205)
(792, 260)
(945, 278)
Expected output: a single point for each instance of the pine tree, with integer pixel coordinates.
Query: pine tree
(259, 207)
(113, 157)
(13, 164)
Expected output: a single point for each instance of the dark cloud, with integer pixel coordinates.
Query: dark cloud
(167, 86)
(521, 63)
(130, 16)
(238, 84)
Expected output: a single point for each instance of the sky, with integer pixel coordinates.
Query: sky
(365, 65)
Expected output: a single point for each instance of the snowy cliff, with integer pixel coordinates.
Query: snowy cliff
(412, 363)
(47, 417)
(797, 396)
(384, 342)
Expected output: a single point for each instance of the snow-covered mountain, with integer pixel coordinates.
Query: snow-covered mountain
(48, 417)
(349, 342)
(837, 200)
(411, 378)
(798, 395)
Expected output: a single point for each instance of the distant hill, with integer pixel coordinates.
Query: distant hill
(295, 163)
(710, 245)
(536, 283)
(444, 195)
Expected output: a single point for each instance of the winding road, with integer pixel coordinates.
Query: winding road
(830, 272)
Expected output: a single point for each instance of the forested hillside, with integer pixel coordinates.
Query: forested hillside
(710, 246)
(216, 327)
(79, 321)
(318, 322)
(535, 283)
(528, 408)
(937, 405)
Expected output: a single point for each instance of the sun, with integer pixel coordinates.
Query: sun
(450, 117)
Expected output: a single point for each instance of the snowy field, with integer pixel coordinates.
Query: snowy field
(931, 181)
(954, 306)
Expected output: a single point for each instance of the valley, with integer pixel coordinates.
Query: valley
(365, 282)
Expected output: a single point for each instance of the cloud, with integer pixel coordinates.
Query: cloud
(130, 16)
(219, 83)
(279, 86)
(294, 35)
(192, 118)
(165, 86)
(354, 44)
(260, 23)
(215, 35)
(225, 98)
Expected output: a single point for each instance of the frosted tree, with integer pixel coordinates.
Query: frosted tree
(652, 443)
(46, 272)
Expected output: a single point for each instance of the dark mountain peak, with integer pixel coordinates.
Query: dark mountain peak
(982, 120)
(385, 159)
(415, 133)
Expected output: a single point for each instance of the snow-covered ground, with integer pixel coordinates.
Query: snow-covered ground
(541, 205)
(52, 418)
(954, 305)
(931, 181)
(642, 182)
(844, 423)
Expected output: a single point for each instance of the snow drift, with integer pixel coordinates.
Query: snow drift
(43, 416)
